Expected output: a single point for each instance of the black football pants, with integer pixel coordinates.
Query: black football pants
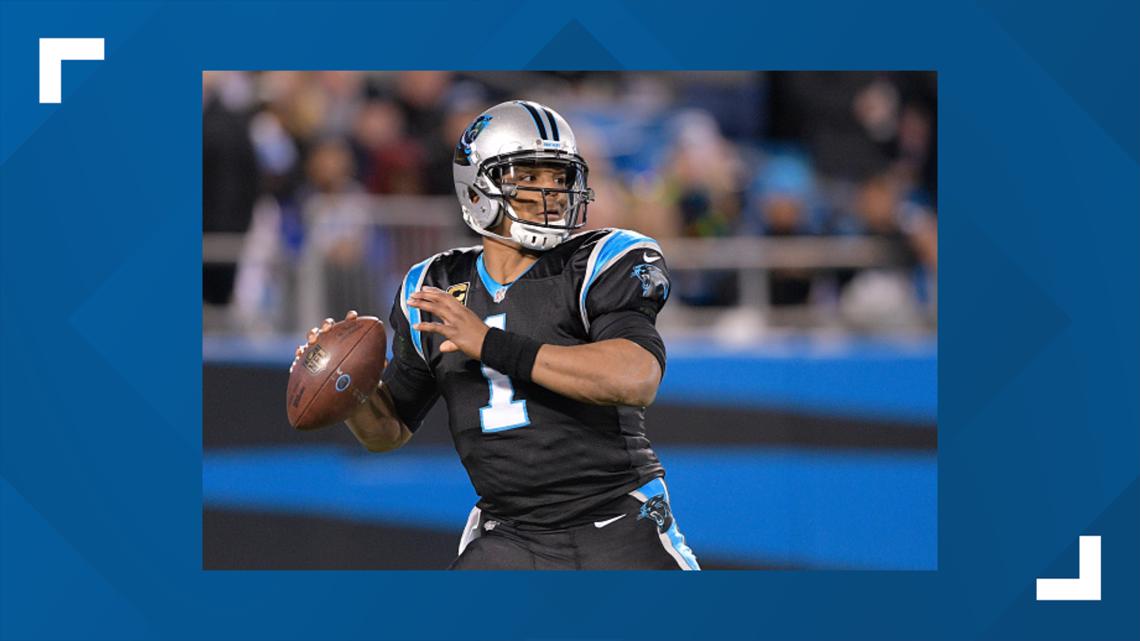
(636, 532)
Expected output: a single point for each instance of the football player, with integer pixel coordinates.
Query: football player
(542, 343)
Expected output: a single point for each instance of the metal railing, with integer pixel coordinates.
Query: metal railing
(393, 232)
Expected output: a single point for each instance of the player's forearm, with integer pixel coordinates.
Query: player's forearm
(611, 372)
(376, 424)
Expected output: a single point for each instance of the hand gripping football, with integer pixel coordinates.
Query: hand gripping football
(336, 374)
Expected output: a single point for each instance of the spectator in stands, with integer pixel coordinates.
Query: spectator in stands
(703, 183)
(869, 166)
(229, 171)
(614, 205)
(781, 205)
(891, 298)
(858, 125)
(341, 94)
(421, 95)
(463, 102)
(335, 211)
(917, 162)
(391, 162)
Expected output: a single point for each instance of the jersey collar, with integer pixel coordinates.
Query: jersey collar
(497, 290)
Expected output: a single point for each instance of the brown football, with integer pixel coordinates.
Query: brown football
(336, 374)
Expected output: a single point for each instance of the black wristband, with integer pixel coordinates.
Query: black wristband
(510, 354)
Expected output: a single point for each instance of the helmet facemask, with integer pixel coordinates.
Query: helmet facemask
(545, 195)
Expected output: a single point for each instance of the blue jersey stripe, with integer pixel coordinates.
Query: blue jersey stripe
(677, 540)
(412, 283)
(656, 487)
(493, 286)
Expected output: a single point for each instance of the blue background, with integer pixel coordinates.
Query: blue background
(834, 510)
(747, 504)
(1038, 367)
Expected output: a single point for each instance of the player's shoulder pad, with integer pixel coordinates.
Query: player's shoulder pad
(414, 280)
(607, 249)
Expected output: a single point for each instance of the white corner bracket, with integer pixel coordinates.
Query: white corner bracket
(1086, 587)
(53, 51)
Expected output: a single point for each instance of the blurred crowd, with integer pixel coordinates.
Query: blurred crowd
(295, 158)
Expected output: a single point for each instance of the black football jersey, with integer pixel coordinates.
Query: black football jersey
(535, 456)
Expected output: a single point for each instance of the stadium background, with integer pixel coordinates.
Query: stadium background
(797, 415)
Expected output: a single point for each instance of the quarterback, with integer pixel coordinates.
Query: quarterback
(542, 343)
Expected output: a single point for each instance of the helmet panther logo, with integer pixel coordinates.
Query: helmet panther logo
(463, 149)
(652, 279)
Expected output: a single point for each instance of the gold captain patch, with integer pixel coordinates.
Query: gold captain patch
(459, 292)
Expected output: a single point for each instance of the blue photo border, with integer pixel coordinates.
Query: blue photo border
(1038, 370)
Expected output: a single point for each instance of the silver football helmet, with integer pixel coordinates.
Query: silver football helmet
(519, 159)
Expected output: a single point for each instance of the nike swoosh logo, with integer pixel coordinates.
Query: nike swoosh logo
(602, 524)
(649, 259)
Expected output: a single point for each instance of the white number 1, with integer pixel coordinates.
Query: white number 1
(502, 412)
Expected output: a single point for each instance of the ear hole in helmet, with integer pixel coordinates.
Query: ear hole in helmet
(472, 195)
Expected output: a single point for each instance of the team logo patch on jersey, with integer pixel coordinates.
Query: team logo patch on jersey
(654, 283)
(657, 508)
(459, 292)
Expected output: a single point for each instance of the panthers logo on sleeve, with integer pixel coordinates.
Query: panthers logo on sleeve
(654, 283)
(657, 509)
